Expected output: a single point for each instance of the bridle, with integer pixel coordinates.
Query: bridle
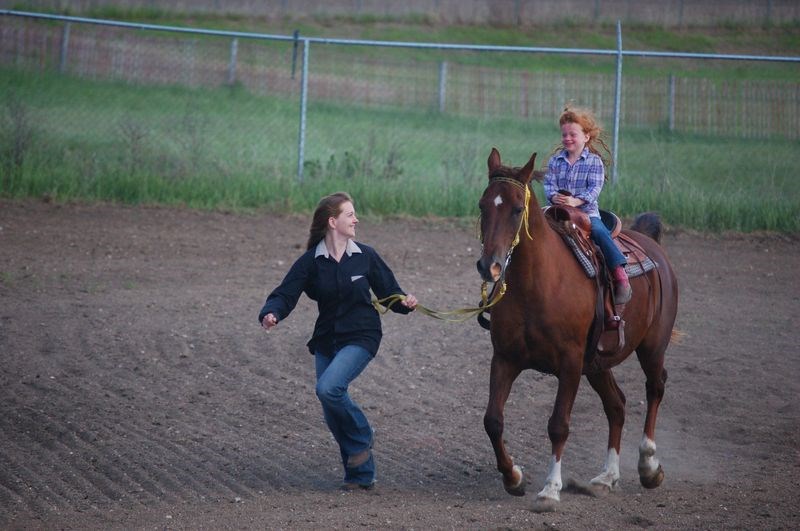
(522, 222)
(487, 300)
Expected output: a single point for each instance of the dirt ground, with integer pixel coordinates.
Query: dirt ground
(138, 391)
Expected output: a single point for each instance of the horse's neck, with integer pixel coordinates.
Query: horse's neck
(546, 258)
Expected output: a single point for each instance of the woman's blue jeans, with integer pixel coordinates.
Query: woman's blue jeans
(602, 238)
(345, 419)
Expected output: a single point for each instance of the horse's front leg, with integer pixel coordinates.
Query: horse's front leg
(613, 398)
(558, 430)
(501, 378)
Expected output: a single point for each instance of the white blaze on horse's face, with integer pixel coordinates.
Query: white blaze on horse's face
(498, 200)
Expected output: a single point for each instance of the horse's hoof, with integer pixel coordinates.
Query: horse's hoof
(599, 490)
(603, 485)
(515, 491)
(544, 505)
(654, 480)
(518, 488)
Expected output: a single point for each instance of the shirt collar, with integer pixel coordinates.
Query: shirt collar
(322, 249)
(584, 154)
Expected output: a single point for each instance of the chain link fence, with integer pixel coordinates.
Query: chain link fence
(133, 101)
(106, 100)
(667, 13)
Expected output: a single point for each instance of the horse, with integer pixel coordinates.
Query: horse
(543, 323)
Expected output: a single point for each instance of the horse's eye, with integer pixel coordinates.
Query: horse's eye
(517, 210)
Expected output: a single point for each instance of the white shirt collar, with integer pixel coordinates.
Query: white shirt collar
(322, 249)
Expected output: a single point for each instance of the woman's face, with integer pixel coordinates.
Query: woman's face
(573, 138)
(345, 223)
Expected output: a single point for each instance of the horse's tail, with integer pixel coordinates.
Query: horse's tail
(649, 224)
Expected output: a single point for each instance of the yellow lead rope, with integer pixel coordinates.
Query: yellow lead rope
(452, 316)
(383, 305)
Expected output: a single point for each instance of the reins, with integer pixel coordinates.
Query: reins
(462, 314)
(452, 316)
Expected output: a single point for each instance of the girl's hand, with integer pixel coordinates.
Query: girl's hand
(568, 200)
(409, 302)
(269, 321)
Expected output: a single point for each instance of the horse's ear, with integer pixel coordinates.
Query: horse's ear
(538, 175)
(494, 160)
(527, 172)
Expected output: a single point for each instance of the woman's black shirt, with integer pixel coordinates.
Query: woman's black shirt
(342, 291)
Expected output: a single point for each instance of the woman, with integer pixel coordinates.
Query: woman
(575, 177)
(338, 273)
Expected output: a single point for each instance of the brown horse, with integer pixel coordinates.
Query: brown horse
(543, 323)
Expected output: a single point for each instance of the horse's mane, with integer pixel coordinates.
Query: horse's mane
(559, 227)
(556, 217)
(505, 171)
(511, 173)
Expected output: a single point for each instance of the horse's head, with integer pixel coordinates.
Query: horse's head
(504, 208)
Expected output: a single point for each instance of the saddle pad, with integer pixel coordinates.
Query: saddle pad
(640, 268)
(638, 261)
(583, 260)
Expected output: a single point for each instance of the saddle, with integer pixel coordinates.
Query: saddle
(607, 334)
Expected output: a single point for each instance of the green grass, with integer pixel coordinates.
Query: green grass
(225, 148)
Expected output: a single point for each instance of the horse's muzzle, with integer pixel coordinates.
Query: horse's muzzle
(489, 268)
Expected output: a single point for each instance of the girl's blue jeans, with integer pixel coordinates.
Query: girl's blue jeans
(345, 419)
(602, 238)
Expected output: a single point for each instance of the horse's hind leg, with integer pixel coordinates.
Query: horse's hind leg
(651, 474)
(501, 378)
(613, 398)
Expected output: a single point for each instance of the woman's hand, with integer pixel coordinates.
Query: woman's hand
(409, 302)
(269, 321)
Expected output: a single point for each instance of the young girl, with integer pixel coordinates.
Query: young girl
(575, 177)
(338, 273)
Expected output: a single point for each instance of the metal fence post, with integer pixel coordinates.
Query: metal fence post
(671, 103)
(62, 65)
(232, 63)
(442, 85)
(301, 143)
(617, 104)
(295, 36)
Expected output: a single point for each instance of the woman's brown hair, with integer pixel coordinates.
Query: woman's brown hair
(328, 207)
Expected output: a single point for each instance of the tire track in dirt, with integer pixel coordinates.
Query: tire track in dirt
(37, 475)
(229, 469)
(12, 491)
(158, 481)
(107, 473)
(112, 473)
(264, 471)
